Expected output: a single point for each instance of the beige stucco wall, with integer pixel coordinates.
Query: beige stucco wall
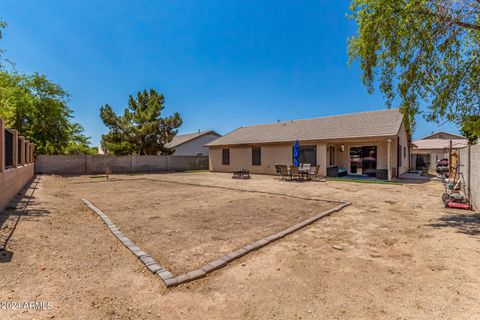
(322, 158)
(192, 147)
(470, 167)
(403, 140)
(12, 181)
(342, 158)
(434, 156)
(241, 158)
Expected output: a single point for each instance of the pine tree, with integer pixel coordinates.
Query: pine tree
(141, 129)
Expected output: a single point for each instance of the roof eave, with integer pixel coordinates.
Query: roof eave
(325, 140)
(196, 137)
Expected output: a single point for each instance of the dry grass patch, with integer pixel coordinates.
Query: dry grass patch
(184, 226)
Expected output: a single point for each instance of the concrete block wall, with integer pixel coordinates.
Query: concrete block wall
(470, 167)
(96, 164)
(118, 164)
(187, 162)
(68, 164)
(150, 163)
(14, 178)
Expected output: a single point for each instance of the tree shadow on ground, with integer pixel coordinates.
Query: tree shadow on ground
(467, 223)
(10, 217)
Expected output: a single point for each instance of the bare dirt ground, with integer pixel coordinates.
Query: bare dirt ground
(185, 226)
(404, 257)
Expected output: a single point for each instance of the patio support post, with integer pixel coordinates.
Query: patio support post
(2, 145)
(322, 158)
(389, 159)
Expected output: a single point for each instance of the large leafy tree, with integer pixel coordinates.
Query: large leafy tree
(425, 52)
(3, 24)
(471, 128)
(38, 109)
(141, 129)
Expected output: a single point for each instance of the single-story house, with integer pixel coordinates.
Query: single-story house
(374, 143)
(436, 146)
(192, 144)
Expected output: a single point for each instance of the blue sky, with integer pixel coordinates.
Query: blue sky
(221, 64)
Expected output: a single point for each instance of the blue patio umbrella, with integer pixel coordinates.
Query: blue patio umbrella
(296, 153)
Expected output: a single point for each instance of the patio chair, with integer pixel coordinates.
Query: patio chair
(294, 173)
(314, 174)
(284, 171)
(305, 170)
(278, 170)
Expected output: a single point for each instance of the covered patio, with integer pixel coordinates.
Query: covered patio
(371, 159)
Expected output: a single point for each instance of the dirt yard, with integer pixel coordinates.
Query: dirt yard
(184, 226)
(404, 256)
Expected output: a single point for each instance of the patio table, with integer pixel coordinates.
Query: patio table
(241, 174)
(304, 172)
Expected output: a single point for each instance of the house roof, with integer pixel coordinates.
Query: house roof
(354, 125)
(457, 136)
(183, 138)
(439, 144)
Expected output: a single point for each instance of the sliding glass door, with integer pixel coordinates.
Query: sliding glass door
(363, 160)
(308, 154)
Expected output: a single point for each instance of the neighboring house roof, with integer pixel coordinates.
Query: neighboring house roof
(355, 125)
(446, 135)
(439, 144)
(183, 138)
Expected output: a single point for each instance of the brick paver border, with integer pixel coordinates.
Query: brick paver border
(170, 280)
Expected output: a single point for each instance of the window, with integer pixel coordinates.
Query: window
(308, 154)
(422, 161)
(226, 156)
(404, 152)
(331, 155)
(256, 156)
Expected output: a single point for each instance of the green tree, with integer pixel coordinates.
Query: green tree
(38, 109)
(141, 129)
(425, 52)
(3, 25)
(471, 128)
